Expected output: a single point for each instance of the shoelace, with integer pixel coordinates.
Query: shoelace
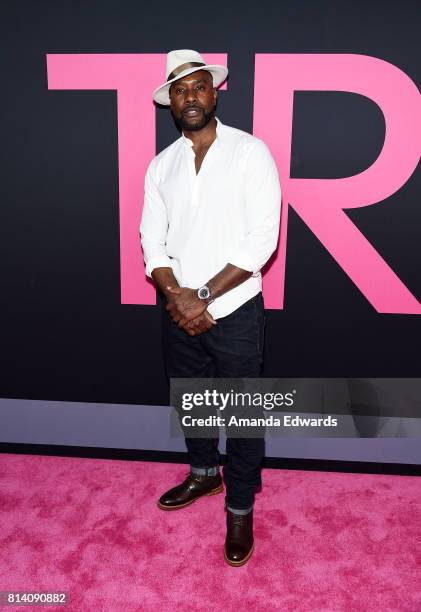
(237, 520)
(191, 477)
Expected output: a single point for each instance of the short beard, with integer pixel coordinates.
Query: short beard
(188, 127)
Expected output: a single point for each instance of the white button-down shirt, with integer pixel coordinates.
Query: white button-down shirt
(227, 213)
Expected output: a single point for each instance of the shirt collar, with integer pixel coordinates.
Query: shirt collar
(219, 127)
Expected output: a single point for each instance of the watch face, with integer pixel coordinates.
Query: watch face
(204, 293)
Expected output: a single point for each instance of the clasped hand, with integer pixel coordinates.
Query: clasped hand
(188, 311)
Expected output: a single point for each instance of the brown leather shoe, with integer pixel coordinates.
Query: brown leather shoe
(193, 487)
(239, 543)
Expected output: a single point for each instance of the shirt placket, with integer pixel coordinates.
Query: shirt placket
(193, 177)
(196, 178)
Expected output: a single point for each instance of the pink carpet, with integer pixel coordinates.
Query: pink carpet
(324, 541)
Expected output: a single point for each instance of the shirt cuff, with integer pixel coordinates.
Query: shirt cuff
(243, 260)
(159, 261)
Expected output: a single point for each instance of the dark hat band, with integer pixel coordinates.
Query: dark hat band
(184, 67)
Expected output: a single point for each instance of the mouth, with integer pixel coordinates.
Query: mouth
(192, 112)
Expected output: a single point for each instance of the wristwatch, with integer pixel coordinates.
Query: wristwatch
(204, 293)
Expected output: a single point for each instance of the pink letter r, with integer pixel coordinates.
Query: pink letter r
(321, 202)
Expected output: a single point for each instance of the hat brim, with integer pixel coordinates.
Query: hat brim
(219, 74)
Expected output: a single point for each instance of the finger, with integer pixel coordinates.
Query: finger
(195, 323)
(205, 324)
(202, 324)
(190, 331)
(171, 307)
(210, 317)
(186, 318)
(190, 327)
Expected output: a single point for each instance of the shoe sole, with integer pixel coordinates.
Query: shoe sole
(211, 492)
(238, 563)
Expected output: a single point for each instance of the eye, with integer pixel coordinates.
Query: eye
(200, 87)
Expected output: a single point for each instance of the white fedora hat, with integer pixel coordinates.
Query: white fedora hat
(181, 63)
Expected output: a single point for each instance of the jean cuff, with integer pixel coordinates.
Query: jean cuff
(209, 471)
(241, 511)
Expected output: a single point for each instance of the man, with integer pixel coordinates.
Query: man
(210, 222)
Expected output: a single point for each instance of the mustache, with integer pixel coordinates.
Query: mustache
(191, 108)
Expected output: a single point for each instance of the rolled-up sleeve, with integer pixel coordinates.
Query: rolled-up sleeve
(153, 225)
(262, 210)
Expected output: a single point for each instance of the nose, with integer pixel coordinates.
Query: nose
(190, 96)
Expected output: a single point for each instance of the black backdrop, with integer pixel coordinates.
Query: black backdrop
(64, 333)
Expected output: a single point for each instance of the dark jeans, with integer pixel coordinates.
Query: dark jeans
(231, 349)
